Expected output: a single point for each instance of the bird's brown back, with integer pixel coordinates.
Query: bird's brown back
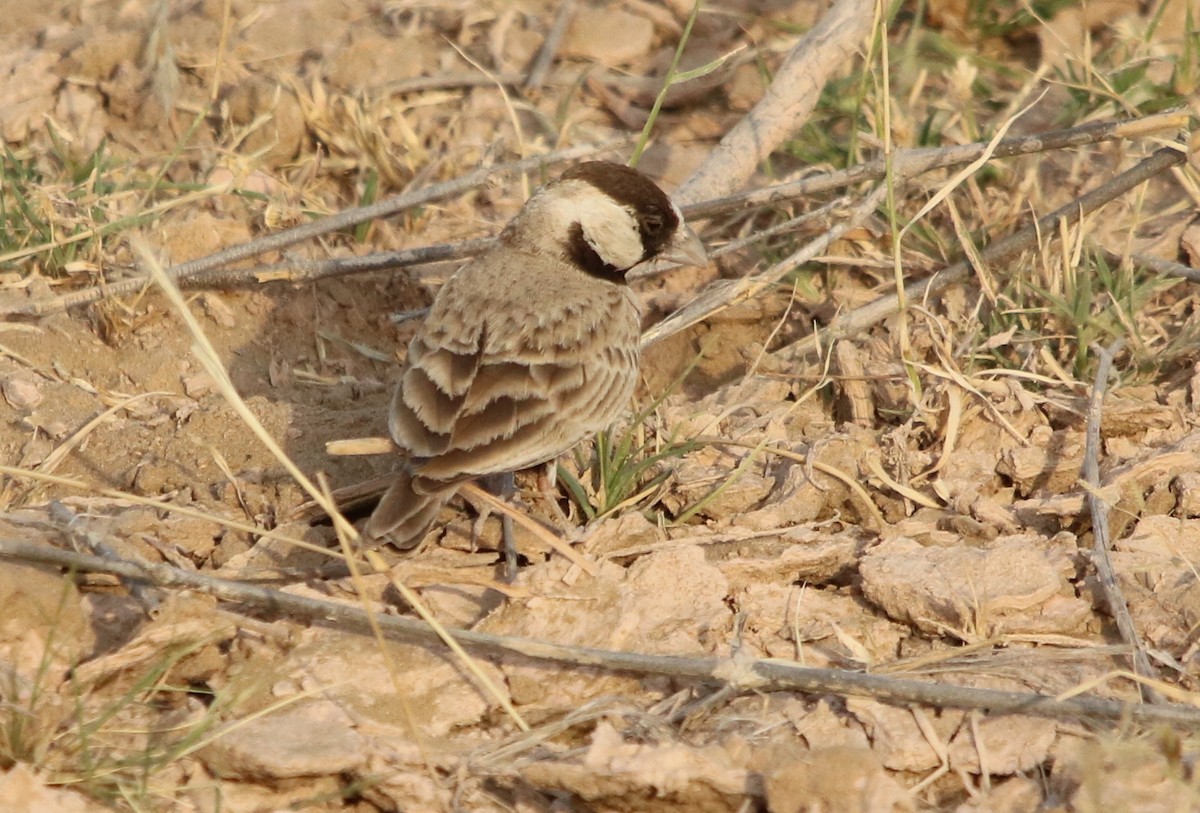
(519, 360)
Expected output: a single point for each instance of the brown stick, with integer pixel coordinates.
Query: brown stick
(907, 163)
(214, 270)
(910, 163)
(724, 293)
(793, 93)
(752, 675)
(279, 240)
(1101, 539)
(859, 320)
(545, 57)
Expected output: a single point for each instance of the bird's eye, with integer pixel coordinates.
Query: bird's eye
(653, 221)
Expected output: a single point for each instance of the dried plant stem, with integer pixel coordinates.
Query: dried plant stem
(215, 270)
(545, 57)
(75, 529)
(907, 164)
(1158, 265)
(724, 293)
(309, 270)
(859, 320)
(342, 220)
(1100, 534)
(910, 163)
(750, 675)
(791, 96)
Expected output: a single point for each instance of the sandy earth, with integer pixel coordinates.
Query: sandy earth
(279, 112)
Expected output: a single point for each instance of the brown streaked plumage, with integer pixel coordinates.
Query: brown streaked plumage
(531, 347)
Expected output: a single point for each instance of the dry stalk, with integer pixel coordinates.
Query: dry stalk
(342, 220)
(791, 96)
(743, 675)
(1166, 268)
(1101, 540)
(215, 270)
(869, 315)
(909, 163)
(906, 163)
(76, 531)
(545, 57)
(725, 293)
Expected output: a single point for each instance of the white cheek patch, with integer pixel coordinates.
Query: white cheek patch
(612, 232)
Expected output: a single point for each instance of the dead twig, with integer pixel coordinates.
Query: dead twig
(1166, 268)
(1101, 541)
(280, 240)
(859, 320)
(214, 269)
(744, 675)
(910, 163)
(791, 96)
(907, 163)
(724, 293)
(86, 541)
(310, 270)
(545, 57)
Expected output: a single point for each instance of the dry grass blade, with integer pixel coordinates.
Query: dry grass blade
(73, 442)
(343, 220)
(859, 320)
(209, 359)
(870, 510)
(723, 294)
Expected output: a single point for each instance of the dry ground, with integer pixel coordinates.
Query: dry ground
(921, 520)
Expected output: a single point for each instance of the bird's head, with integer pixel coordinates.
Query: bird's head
(606, 218)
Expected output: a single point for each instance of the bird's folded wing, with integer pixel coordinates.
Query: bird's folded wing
(511, 415)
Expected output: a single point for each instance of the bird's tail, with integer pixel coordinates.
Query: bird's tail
(406, 511)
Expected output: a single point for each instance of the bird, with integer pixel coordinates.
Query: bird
(531, 347)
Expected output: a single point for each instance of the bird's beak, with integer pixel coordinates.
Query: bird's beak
(686, 249)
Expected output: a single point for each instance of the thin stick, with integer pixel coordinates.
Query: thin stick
(1101, 539)
(85, 540)
(907, 163)
(751, 675)
(859, 320)
(215, 270)
(910, 163)
(724, 293)
(287, 237)
(794, 91)
(545, 57)
(1167, 268)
